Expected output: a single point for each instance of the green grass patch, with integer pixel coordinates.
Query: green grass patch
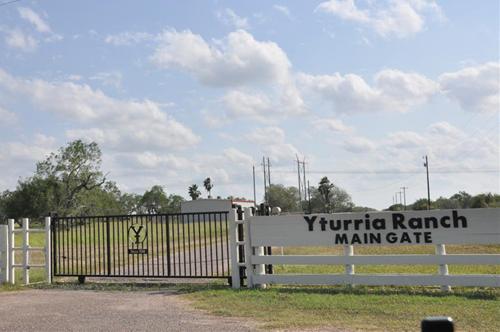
(361, 308)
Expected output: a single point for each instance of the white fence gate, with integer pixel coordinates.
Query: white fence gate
(435, 227)
(8, 251)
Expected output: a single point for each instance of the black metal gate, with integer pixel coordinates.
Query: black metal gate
(190, 245)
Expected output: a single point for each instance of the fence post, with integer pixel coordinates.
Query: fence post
(48, 246)
(11, 270)
(4, 256)
(235, 266)
(349, 268)
(26, 246)
(443, 268)
(248, 248)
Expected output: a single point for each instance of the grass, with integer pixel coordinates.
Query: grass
(361, 308)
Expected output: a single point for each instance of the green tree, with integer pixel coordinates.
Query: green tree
(71, 171)
(154, 200)
(420, 204)
(208, 186)
(329, 198)
(174, 204)
(130, 203)
(104, 200)
(463, 198)
(444, 203)
(193, 191)
(284, 197)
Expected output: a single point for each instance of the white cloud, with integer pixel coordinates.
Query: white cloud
(7, 118)
(235, 156)
(16, 38)
(113, 79)
(29, 15)
(358, 145)
(115, 123)
(128, 38)
(272, 143)
(401, 18)
(239, 103)
(18, 159)
(283, 10)
(230, 18)
(447, 146)
(332, 124)
(393, 90)
(476, 89)
(239, 60)
(266, 135)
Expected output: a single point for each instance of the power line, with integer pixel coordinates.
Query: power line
(455, 171)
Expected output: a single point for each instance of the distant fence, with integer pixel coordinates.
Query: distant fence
(8, 251)
(436, 227)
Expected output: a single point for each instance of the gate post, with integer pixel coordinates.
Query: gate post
(349, 268)
(443, 268)
(26, 246)
(4, 256)
(235, 263)
(248, 248)
(48, 248)
(10, 252)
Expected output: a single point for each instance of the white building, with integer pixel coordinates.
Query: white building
(214, 205)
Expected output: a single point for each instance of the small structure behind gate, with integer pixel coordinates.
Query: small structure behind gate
(189, 245)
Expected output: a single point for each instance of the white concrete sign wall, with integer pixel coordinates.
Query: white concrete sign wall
(461, 226)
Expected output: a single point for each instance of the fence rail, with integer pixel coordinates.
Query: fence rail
(292, 231)
(8, 251)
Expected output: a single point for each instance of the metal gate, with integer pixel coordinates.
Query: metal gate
(190, 245)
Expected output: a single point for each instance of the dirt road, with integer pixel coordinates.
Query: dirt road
(78, 310)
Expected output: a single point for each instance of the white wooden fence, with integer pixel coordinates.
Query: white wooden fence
(8, 249)
(474, 226)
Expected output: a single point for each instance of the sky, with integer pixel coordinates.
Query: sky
(177, 91)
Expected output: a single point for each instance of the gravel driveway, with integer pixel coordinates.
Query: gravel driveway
(79, 310)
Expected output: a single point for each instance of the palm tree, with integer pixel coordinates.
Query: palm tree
(208, 186)
(194, 192)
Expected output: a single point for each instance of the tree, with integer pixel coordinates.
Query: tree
(329, 198)
(154, 200)
(420, 204)
(174, 204)
(446, 203)
(74, 169)
(104, 200)
(130, 203)
(193, 191)
(463, 198)
(208, 186)
(284, 197)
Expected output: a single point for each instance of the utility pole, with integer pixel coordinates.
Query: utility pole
(269, 172)
(304, 170)
(404, 196)
(400, 198)
(265, 179)
(426, 164)
(298, 176)
(309, 196)
(254, 196)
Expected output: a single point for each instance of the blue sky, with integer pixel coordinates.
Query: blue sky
(174, 92)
